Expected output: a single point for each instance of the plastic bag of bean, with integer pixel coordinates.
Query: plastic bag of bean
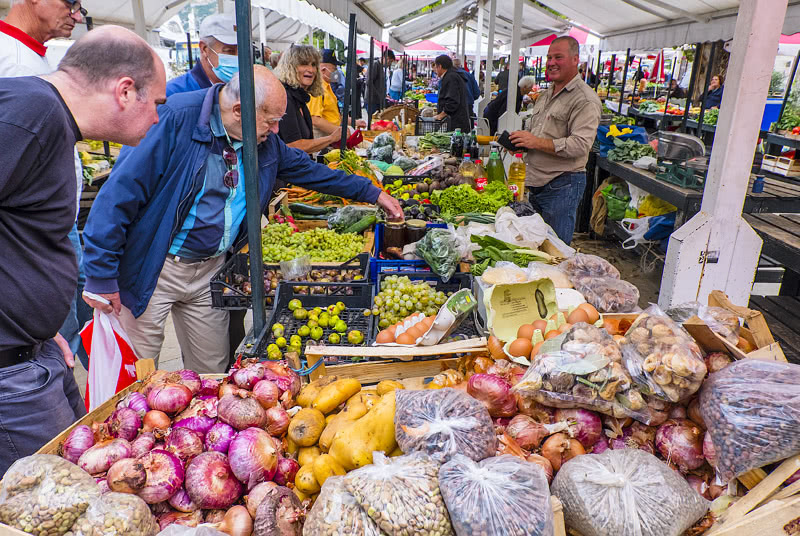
(442, 423)
(626, 492)
(591, 265)
(499, 496)
(752, 411)
(336, 513)
(116, 514)
(401, 495)
(661, 357)
(45, 492)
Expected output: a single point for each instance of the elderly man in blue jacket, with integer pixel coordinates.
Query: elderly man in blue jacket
(172, 207)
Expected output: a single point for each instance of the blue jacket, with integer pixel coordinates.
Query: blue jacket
(472, 85)
(142, 206)
(714, 98)
(191, 81)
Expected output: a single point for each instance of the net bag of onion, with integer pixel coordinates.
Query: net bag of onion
(502, 495)
(626, 492)
(583, 368)
(116, 514)
(661, 357)
(752, 411)
(45, 491)
(336, 513)
(442, 423)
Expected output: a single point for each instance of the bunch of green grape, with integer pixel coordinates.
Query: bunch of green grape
(279, 243)
(399, 297)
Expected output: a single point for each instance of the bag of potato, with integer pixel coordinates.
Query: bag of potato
(401, 495)
(336, 513)
(443, 423)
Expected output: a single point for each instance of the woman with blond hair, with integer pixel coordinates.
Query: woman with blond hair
(298, 70)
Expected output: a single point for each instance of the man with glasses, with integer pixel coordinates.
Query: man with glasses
(172, 207)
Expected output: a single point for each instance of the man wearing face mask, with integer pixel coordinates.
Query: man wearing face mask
(218, 56)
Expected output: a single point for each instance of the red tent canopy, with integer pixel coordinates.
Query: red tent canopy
(579, 35)
(427, 44)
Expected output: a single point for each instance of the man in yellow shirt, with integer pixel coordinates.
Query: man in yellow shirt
(325, 116)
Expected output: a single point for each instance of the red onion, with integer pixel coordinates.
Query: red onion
(199, 424)
(716, 361)
(125, 423)
(791, 480)
(693, 413)
(208, 387)
(677, 412)
(253, 456)
(169, 397)
(599, 447)
(681, 441)
(190, 379)
(219, 438)
(155, 420)
(241, 412)
(629, 440)
(184, 443)
(200, 406)
(277, 420)
(584, 425)
(159, 446)
(184, 519)
(709, 452)
(164, 476)
(286, 470)
(494, 392)
(267, 393)
(699, 485)
(101, 456)
(136, 401)
(126, 476)
(156, 378)
(248, 376)
(526, 432)
(284, 377)
(181, 501)
(79, 440)
(533, 409)
(256, 495)
(500, 424)
(559, 449)
(143, 444)
(511, 372)
(210, 481)
(215, 516)
(544, 463)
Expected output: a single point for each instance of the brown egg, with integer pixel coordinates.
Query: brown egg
(594, 316)
(415, 332)
(565, 327)
(520, 348)
(525, 331)
(387, 335)
(550, 334)
(406, 338)
(578, 315)
(541, 325)
(391, 329)
(427, 322)
(536, 348)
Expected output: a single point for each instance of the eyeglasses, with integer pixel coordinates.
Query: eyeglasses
(231, 177)
(75, 7)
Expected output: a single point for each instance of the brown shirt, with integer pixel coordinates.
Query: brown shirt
(570, 119)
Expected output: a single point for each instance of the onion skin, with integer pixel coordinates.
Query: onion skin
(126, 476)
(526, 432)
(215, 516)
(599, 447)
(699, 485)
(155, 420)
(538, 412)
(169, 397)
(219, 438)
(231, 389)
(267, 393)
(143, 444)
(248, 376)
(164, 476)
(494, 392)
(693, 413)
(237, 522)
(709, 452)
(680, 441)
(545, 464)
(559, 449)
(588, 426)
(180, 518)
(136, 401)
(208, 387)
(79, 440)
(155, 378)
(125, 423)
(199, 424)
(256, 495)
(100, 457)
(182, 502)
(184, 443)
(190, 379)
(200, 407)
(253, 456)
(210, 482)
(284, 377)
(677, 412)
(277, 421)
(495, 347)
(241, 412)
(285, 471)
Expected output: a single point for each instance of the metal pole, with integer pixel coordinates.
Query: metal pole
(513, 70)
(669, 94)
(788, 88)
(403, 82)
(599, 70)
(369, 75)
(487, 82)
(476, 66)
(189, 49)
(464, 44)
(611, 77)
(250, 162)
(636, 79)
(348, 84)
(699, 130)
(624, 79)
(692, 79)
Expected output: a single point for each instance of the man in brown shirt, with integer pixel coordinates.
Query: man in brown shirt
(563, 128)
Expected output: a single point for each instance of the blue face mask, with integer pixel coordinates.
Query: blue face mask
(228, 66)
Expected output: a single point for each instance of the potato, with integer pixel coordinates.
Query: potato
(353, 446)
(369, 398)
(388, 385)
(300, 495)
(306, 427)
(396, 452)
(329, 418)
(307, 455)
(347, 416)
(335, 393)
(308, 393)
(325, 467)
(305, 480)
(291, 446)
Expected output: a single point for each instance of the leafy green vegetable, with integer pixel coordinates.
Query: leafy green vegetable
(629, 151)
(438, 248)
(710, 116)
(790, 119)
(440, 140)
(622, 120)
(649, 106)
(462, 199)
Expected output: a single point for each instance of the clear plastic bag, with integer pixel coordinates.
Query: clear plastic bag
(719, 320)
(752, 410)
(180, 530)
(401, 495)
(336, 513)
(583, 368)
(43, 490)
(606, 294)
(583, 264)
(439, 249)
(661, 357)
(116, 514)
(626, 492)
(296, 269)
(347, 216)
(443, 423)
(501, 496)
(539, 270)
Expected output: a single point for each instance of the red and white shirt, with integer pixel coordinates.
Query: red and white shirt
(21, 54)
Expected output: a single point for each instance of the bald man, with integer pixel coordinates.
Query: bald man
(106, 88)
(153, 248)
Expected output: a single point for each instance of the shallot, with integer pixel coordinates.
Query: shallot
(215, 516)
(169, 397)
(693, 413)
(183, 519)
(164, 476)
(155, 420)
(219, 437)
(267, 393)
(680, 441)
(101, 456)
(277, 420)
(709, 452)
(182, 502)
(211, 483)
(544, 463)
(528, 433)
(241, 412)
(190, 379)
(199, 424)
(559, 449)
(699, 485)
(136, 401)
(184, 443)
(599, 447)
(286, 470)
(248, 376)
(126, 476)
(143, 444)
(677, 412)
(237, 522)
(125, 423)
(253, 456)
(494, 392)
(584, 425)
(531, 408)
(79, 440)
(256, 495)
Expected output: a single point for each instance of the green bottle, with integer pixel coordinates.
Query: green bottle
(495, 171)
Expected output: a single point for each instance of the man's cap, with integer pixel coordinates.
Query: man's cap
(221, 27)
(329, 56)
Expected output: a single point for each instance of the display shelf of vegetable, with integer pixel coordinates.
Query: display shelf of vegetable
(629, 151)
(493, 250)
(463, 198)
(279, 243)
(789, 119)
(648, 107)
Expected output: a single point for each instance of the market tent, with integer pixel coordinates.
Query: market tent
(367, 22)
(426, 48)
(448, 40)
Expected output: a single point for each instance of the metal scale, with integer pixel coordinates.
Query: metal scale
(682, 160)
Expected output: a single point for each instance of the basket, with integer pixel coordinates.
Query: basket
(429, 127)
(396, 112)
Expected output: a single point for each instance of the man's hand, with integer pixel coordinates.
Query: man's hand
(336, 135)
(390, 205)
(62, 343)
(523, 138)
(360, 123)
(440, 116)
(115, 305)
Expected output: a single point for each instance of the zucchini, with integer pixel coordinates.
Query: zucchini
(306, 217)
(362, 225)
(303, 208)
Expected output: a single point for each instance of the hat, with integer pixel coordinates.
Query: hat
(221, 27)
(329, 56)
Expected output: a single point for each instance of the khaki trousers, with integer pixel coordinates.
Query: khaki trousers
(183, 290)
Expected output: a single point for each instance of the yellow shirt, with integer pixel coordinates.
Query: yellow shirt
(326, 106)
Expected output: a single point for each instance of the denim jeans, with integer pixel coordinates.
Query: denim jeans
(558, 200)
(38, 400)
(79, 311)
(396, 95)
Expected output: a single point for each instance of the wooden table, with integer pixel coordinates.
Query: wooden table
(783, 317)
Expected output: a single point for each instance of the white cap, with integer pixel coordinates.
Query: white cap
(221, 27)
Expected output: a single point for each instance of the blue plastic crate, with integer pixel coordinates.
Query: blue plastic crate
(378, 266)
(433, 98)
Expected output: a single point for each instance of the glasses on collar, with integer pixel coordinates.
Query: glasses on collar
(231, 177)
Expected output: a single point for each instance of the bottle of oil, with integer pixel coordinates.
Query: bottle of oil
(516, 178)
(495, 171)
(480, 175)
(467, 170)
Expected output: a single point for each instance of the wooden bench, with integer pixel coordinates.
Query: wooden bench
(782, 314)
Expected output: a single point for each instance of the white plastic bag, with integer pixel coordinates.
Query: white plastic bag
(180, 530)
(637, 228)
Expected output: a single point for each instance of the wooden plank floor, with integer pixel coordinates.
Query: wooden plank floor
(783, 318)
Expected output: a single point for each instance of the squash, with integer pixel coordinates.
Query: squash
(353, 446)
(308, 393)
(388, 385)
(306, 427)
(307, 455)
(396, 452)
(336, 393)
(305, 480)
(325, 467)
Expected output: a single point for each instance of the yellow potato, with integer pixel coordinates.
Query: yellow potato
(307, 455)
(353, 446)
(388, 385)
(335, 393)
(306, 427)
(325, 467)
(305, 480)
(308, 393)
(291, 446)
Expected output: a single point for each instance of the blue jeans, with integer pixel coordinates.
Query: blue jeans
(79, 311)
(38, 400)
(396, 95)
(558, 200)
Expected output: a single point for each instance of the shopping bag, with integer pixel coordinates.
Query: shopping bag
(637, 228)
(112, 362)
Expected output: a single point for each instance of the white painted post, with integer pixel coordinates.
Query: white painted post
(220, 6)
(463, 55)
(476, 63)
(717, 249)
(510, 121)
(311, 35)
(487, 84)
(458, 37)
(138, 19)
(327, 40)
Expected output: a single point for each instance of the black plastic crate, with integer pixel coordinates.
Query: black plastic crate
(427, 127)
(227, 285)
